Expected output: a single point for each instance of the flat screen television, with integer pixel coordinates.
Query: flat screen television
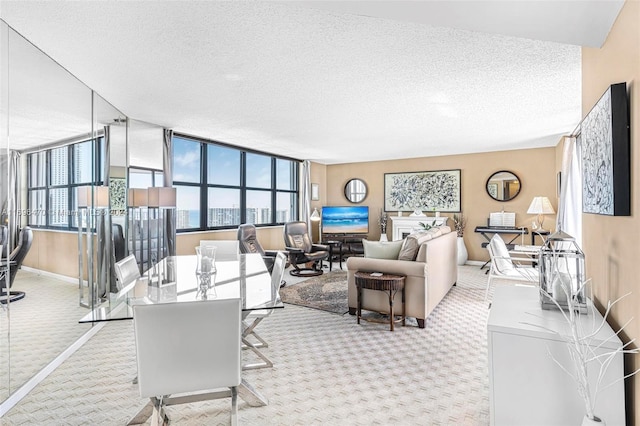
(345, 219)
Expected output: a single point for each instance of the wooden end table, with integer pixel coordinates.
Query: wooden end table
(385, 282)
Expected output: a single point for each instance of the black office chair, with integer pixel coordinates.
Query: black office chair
(15, 259)
(302, 250)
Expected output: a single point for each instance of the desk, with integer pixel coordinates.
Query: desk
(487, 232)
(542, 235)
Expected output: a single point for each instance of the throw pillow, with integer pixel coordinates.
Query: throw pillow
(411, 245)
(382, 249)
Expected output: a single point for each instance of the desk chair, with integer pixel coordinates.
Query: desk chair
(226, 249)
(253, 318)
(188, 347)
(506, 267)
(16, 257)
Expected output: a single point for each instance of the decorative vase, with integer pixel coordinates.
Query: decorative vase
(462, 252)
(383, 237)
(595, 421)
(205, 271)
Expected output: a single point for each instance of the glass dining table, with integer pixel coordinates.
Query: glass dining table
(174, 279)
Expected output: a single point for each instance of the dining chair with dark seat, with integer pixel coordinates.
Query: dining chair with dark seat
(14, 262)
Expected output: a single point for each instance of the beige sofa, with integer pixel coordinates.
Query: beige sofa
(428, 278)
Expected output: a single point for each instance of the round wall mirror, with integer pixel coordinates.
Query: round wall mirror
(355, 190)
(503, 185)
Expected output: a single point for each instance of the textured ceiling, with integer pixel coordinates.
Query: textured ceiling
(319, 83)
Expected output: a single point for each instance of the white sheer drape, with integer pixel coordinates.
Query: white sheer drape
(305, 205)
(569, 217)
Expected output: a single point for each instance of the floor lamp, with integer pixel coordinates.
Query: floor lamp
(93, 202)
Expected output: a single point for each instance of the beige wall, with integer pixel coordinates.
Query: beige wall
(54, 251)
(611, 244)
(536, 169)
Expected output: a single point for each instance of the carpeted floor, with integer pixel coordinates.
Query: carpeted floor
(328, 370)
(327, 292)
(43, 324)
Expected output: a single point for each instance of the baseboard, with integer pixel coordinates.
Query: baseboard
(474, 262)
(50, 274)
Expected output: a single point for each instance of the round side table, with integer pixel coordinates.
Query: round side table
(385, 282)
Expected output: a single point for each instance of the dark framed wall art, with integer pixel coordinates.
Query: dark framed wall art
(604, 146)
(425, 191)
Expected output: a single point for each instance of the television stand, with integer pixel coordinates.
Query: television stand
(351, 243)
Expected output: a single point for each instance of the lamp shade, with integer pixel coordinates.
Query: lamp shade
(315, 216)
(540, 205)
(138, 197)
(162, 197)
(93, 196)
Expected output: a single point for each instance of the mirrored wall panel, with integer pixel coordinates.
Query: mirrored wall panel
(60, 138)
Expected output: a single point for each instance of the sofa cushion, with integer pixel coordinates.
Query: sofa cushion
(382, 249)
(411, 244)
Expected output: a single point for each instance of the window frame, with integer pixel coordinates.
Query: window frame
(70, 185)
(242, 187)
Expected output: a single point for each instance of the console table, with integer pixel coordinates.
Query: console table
(401, 226)
(526, 386)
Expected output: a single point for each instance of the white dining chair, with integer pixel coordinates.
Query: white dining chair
(507, 267)
(127, 270)
(188, 347)
(226, 249)
(251, 320)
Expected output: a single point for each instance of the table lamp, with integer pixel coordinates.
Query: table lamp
(540, 206)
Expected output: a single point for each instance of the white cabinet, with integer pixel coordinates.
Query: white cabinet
(526, 386)
(401, 226)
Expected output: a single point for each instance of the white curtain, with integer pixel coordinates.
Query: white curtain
(569, 217)
(305, 206)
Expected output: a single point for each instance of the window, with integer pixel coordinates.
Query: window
(54, 176)
(145, 178)
(219, 186)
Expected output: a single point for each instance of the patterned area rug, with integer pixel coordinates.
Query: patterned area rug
(327, 292)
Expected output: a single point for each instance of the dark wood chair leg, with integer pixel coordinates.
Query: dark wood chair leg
(420, 323)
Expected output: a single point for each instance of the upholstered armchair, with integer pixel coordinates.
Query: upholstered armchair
(249, 244)
(302, 250)
(16, 257)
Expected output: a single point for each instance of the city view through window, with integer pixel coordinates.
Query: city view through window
(217, 186)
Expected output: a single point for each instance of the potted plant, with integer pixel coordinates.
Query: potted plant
(459, 223)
